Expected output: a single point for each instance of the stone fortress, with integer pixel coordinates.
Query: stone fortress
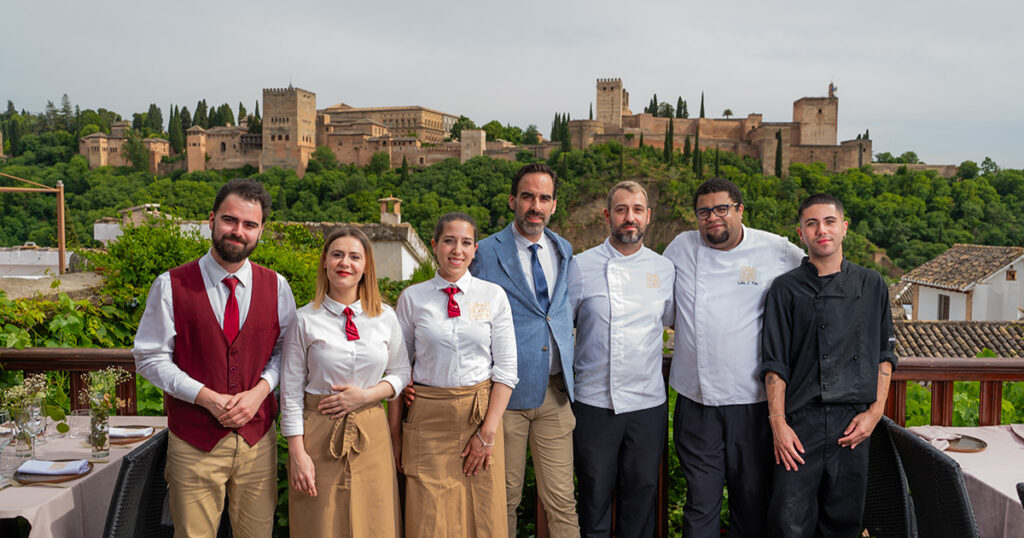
(293, 128)
(810, 137)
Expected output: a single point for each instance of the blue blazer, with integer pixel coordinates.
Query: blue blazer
(497, 260)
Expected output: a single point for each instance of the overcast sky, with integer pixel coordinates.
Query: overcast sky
(942, 79)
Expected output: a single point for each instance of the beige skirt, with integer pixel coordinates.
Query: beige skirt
(356, 484)
(440, 500)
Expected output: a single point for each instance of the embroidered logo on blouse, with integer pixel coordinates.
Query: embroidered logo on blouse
(653, 281)
(479, 311)
(748, 276)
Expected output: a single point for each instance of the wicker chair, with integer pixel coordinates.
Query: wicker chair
(138, 505)
(888, 509)
(936, 487)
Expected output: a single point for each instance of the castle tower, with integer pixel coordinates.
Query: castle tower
(195, 147)
(289, 128)
(472, 143)
(817, 120)
(119, 129)
(612, 102)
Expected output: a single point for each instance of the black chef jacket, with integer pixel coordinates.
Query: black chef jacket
(826, 336)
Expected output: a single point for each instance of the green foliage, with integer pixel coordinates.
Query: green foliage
(461, 124)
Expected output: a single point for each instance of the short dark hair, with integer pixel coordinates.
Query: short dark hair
(246, 189)
(820, 198)
(536, 168)
(718, 184)
(452, 217)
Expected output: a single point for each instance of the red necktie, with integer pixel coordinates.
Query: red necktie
(453, 307)
(350, 327)
(231, 310)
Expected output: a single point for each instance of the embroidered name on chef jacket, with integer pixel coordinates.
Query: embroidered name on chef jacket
(748, 276)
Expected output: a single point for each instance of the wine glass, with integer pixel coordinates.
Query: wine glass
(35, 420)
(7, 431)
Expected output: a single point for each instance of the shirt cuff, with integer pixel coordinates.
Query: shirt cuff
(271, 378)
(890, 357)
(396, 383)
(777, 368)
(190, 390)
(290, 427)
(509, 381)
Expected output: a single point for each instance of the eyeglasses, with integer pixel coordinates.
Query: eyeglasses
(719, 210)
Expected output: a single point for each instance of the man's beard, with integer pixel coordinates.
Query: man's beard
(232, 253)
(629, 238)
(722, 237)
(530, 228)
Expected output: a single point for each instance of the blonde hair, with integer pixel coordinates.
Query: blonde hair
(369, 293)
(630, 186)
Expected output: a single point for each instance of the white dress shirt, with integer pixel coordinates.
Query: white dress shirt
(477, 345)
(318, 354)
(621, 305)
(154, 341)
(719, 305)
(549, 259)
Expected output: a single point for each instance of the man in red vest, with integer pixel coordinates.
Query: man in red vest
(210, 338)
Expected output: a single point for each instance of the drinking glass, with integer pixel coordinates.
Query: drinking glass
(6, 434)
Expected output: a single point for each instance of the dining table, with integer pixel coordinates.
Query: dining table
(991, 476)
(77, 508)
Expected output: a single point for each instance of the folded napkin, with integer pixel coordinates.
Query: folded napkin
(938, 436)
(54, 467)
(130, 432)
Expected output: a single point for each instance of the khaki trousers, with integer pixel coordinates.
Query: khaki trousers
(440, 500)
(356, 484)
(548, 431)
(198, 480)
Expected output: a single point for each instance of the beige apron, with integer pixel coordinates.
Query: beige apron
(356, 484)
(440, 500)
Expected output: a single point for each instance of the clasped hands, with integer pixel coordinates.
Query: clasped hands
(788, 447)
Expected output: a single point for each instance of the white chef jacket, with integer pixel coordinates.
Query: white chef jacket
(154, 341)
(621, 305)
(318, 354)
(460, 351)
(719, 305)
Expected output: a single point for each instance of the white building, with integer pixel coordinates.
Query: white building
(969, 283)
(30, 261)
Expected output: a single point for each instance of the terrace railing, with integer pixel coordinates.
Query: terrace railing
(940, 372)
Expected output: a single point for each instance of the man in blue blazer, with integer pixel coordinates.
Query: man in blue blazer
(531, 263)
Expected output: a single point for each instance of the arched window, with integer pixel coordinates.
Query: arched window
(223, 147)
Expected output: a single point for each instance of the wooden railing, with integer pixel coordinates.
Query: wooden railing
(941, 372)
(76, 361)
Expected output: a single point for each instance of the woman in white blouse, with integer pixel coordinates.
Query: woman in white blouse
(458, 330)
(344, 355)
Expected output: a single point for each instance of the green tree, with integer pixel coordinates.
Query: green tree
(227, 116)
(379, 163)
(716, 161)
(727, 113)
(185, 118)
(698, 164)
(66, 115)
(242, 114)
(14, 135)
(778, 153)
(664, 110)
(909, 157)
(531, 136)
(136, 152)
(591, 110)
(641, 144)
(702, 104)
(325, 158)
(967, 170)
(201, 116)
(460, 124)
(988, 166)
(669, 141)
(154, 119)
(686, 150)
(679, 107)
(175, 135)
(404, 175)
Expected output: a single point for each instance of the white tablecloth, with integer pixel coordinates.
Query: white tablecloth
(991, 477)
(79, 511)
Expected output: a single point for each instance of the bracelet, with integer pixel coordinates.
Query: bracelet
(779, 415)
(482, 442)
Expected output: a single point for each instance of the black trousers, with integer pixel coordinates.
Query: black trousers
(824, 496)
(718, 446)
(618, 455)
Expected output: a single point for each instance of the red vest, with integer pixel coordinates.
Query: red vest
(202, 351)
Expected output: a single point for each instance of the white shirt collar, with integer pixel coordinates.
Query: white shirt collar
(463, 283)
(524, 242)
(216, 273)
(613, 252)
(338, 309)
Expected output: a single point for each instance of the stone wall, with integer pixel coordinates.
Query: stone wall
(817, 118)
(943, 170)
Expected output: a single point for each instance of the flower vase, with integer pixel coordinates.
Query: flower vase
(99, 427)
(24, 434)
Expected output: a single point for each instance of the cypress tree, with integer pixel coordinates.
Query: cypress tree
(175, 135)
(566, 142)
(405, 170)
(686, 150)
(867, 134)
(669, 140)
(654, 105)
(686, 111)
(241, 112)
(14, 130)
(155, 119)
(641, 140)
(256, 125)
(716, 161)
(698, 161)
(186, 118)
(555, 131)
(702, 104)
(591, 110)
(778, 153)
(679, 107)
